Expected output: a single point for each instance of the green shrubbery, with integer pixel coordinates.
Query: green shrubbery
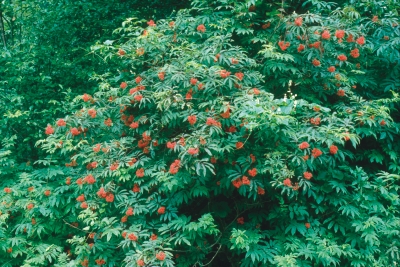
(229, 134)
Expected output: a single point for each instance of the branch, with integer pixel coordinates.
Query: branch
(3, 33)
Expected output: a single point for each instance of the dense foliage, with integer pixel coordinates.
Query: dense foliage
(231, 133)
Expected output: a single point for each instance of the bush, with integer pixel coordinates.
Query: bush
(222, 139)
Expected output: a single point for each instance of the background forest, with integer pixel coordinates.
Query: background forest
(199, 133)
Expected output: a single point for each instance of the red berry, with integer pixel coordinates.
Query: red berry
(49, 130)
(201, 28)
(307, 175)
(123, 85)
(161, 210)
(61, 122)
(298, 21)
(160, 256)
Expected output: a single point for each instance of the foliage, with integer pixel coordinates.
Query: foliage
(228, 134)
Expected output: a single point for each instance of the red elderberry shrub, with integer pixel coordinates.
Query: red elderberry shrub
(123, 234)
(307, 225)
(161, 210)
(110, 197)
(124, 219)
(160, 256)
(333, 149)
(30, 206)
(240, 220)
(49, 130)
(316, 152)
(304, 145)
(140, 263)
(201, 28)
(79, 181)
(9, 250)
(68, 181)
(123, 85)
(61, 122)
(325, 35)
(84, 205)
(382, 123)
(307, 175)
(224, 74)
(287, 182)
(298, 21)
(342, 57)
(252, 172)
(331, 69)
(47, 193)
(300, 48)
